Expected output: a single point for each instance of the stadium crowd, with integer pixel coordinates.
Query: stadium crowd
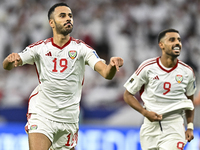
(124, 28)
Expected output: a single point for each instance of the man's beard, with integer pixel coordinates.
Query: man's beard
(60, 29)
(174, 55)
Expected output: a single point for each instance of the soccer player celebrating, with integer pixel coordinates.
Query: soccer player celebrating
(167, 86)
(53, 111)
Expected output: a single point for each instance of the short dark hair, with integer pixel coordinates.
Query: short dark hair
(53, 8)
(162, 33)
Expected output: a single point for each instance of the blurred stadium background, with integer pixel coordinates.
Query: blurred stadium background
(125, 28)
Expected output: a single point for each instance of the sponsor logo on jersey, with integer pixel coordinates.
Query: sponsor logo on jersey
(72, 54)
(156, 78)
(48, 54)
(179, 78)
(33, 127)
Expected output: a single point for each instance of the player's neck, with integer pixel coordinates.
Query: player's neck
(61, 40)
(168, 62)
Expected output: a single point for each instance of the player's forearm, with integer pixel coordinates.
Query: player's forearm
(110, 72)
(189, 115)
(106, 71)
(133, 102)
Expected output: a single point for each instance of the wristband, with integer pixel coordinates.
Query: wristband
(190, 126)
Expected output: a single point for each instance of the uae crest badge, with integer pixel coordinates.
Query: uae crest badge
(72, 54)
(179, 78)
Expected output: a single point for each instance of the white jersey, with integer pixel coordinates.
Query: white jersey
(163, 90)
(61, 73)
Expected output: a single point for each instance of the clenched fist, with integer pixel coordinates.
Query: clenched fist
(11, 61)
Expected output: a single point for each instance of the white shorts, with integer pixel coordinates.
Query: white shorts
(63, 136)
(163, 135)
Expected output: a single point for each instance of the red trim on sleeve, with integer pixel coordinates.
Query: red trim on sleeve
(80, 41)
(36, 43)
(150, 62)
(182, 63)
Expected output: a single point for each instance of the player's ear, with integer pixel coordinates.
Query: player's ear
(161, 45)
(51, 23)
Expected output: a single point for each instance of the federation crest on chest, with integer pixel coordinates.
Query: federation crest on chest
(179, 78)
(72, 54)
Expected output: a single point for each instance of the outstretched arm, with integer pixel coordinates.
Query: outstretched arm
(108, 71)
(11, 61)
(133, 102)
(189, 117)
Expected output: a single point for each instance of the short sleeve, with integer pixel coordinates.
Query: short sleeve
(136, 81)
(28, 56)
(191, 87)
(92, 58)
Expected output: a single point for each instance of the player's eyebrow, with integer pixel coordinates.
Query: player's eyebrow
(69, 14)
(62, 14)
(173, 38)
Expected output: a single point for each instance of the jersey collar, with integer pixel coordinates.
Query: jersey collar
(157, 60)
(63, 45)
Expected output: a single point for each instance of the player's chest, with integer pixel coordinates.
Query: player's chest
(67, 53)
(175, 80)
(55, 60)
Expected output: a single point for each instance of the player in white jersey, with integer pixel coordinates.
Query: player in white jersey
(53, 111)
(167, 86)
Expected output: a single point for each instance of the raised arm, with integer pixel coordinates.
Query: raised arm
(11, 61)
(108, 71)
